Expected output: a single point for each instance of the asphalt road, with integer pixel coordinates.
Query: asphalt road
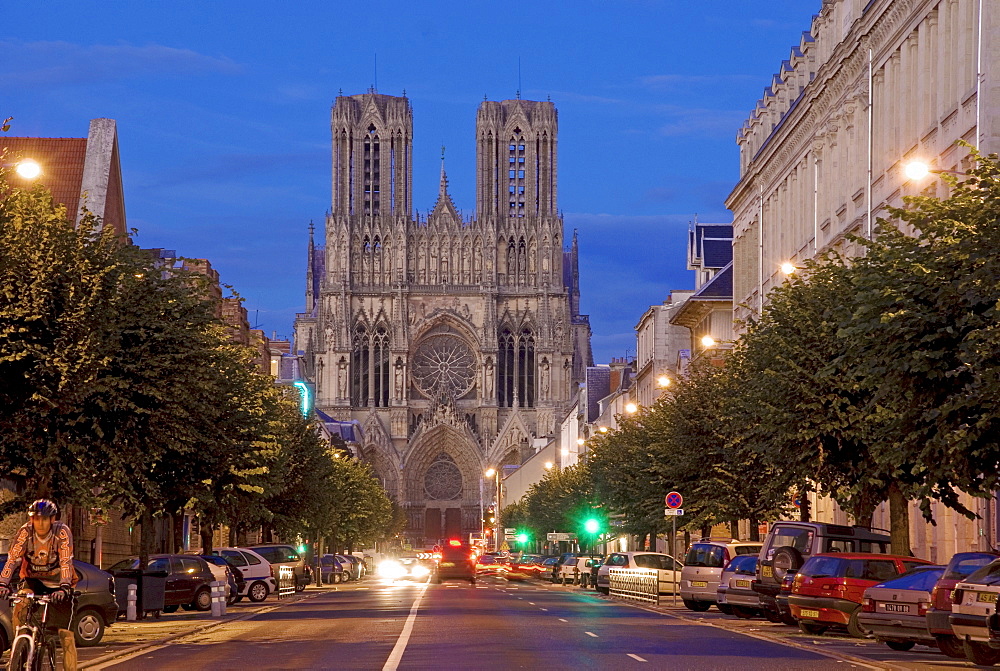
(493, 625)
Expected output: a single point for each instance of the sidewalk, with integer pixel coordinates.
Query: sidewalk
(125, 638)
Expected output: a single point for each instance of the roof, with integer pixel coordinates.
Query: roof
(349, 430)
(719, 287)
(61, 159)
(598, 387)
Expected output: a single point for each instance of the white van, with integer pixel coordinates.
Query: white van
(256, 570)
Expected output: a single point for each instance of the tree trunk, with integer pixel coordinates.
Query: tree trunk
(734, 529)
(899, 521)
(146, 537)
(207, 532)
(754, 529)
(178, 535)
(805, 514)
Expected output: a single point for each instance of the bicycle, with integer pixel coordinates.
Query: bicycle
(34, 646)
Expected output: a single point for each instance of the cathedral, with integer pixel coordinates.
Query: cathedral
(458, 344)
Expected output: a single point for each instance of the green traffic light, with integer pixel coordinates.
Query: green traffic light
(302, 549)
(522, 537)
(591, 526)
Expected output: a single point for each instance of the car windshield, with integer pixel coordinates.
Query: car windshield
(743, 565)
(706, 555)
(987, 575)
(918, 579)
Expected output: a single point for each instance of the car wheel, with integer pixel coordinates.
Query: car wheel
(603, 590)
(854, 627)
(697, 606)
(788, 619)
(300, 587)
(981, 654)
(233, 597)
(900, 646)
(950, 646)
(743, 612)
(772, 615)
(87, 627)
(812, 629)
(725, 608)
(173, 609)
(202, 600)
(258, 591)
(187, 606)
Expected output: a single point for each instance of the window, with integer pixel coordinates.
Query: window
(190, 565)
(744, 565)
(824, 567)
(235, 556)
(796, 537)
(289, 555)
(618, 560)
(706, 555)
(160, 564)
(747, 550)
(871, 569)
(370, 367)
(967, 564)
(516, 368)
(877, 547)
(839, 545)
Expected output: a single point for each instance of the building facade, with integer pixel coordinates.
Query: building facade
(870, 86)
(454, 342)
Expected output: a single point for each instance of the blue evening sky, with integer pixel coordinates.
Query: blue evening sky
(223, 112)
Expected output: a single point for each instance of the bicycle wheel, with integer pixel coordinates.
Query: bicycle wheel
(19, 656)
(46, 660)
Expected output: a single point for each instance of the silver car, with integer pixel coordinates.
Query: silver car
(895, 611)
(735, 593)
(703, 570)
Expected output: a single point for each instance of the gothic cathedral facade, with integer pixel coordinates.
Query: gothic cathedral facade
(458, 344)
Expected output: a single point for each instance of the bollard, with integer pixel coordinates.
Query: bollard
(130, 609)
(218, 598)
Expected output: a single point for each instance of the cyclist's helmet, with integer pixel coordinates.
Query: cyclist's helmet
(43, 508)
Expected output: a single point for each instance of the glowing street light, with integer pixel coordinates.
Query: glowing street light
(708, 342)
(788, 268)
(549, 465)
(603, 429)
(631, 408)
(26, 168)
(580, 441)
(663, 381)
(916, 170)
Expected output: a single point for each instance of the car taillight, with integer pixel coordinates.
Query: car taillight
(956, 596)
(867, 605)
(923, 607)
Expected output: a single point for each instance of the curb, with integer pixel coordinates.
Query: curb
(139, 647)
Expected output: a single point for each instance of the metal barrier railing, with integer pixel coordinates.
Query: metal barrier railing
(635, 584)
(286, 581)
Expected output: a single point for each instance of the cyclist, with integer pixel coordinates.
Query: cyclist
(42, 553)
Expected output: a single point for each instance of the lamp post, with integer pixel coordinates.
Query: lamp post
(917, 170)
(495, 474)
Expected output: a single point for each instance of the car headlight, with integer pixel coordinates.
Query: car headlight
(420, 571)
(391, 569)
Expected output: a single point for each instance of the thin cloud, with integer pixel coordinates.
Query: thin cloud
(58, 63)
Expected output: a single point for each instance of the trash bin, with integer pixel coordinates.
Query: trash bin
(150, 589)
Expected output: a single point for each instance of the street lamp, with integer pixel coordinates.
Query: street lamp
(631, 408)
(26, 168)
(495, 474)
(708, 342)
(549, 465)
(663, 381)
(788, 267)
(917, 170)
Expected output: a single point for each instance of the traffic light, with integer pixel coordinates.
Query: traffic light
(521, 537)
(591, 526)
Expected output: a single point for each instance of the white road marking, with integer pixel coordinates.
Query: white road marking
(544, 609)
(562, 620)
(396, 655)
(637, 658)
(531, 603)
(590, 633)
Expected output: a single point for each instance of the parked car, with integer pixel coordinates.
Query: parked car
(788, 545)
(560, 560)
(702, 571)
(961, 566)
(828, 589)
(668, 569)
(784, 611)
(735, 592)
(189, 580)
(458, 562)
(282, 554)
(576, 571)
(547, 568)
(595, 566)
(895, 611)
(96, 609)
(974, 615)
(331, 570)
(258, 575)
(353, 566)
(228, 573)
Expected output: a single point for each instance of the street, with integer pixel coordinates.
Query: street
(496, 624)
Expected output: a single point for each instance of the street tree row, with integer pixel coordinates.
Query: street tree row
(866, 378)
(123, 389)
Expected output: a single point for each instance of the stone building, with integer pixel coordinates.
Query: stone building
(454, 341)
(870, 86)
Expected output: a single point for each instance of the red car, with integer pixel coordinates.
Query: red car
(828, 589)
(958, 569)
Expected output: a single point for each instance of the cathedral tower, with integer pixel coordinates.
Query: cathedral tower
(455, 342)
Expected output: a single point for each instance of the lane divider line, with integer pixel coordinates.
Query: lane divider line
(562, 620)
(590, 633)
(637, 658)
(396, 655)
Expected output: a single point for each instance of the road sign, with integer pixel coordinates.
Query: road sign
(673, 512)
(559, 537)
(509, 537)
(674, 500)
(509, 531)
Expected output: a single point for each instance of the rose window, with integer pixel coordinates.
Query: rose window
(443, 480)
(444, 364)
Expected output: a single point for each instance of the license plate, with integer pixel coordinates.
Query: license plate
(742, 583)
(986, 597)
(809, 613)
(447, 563)
(897, 607)
(767, 571)
(699, 583)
